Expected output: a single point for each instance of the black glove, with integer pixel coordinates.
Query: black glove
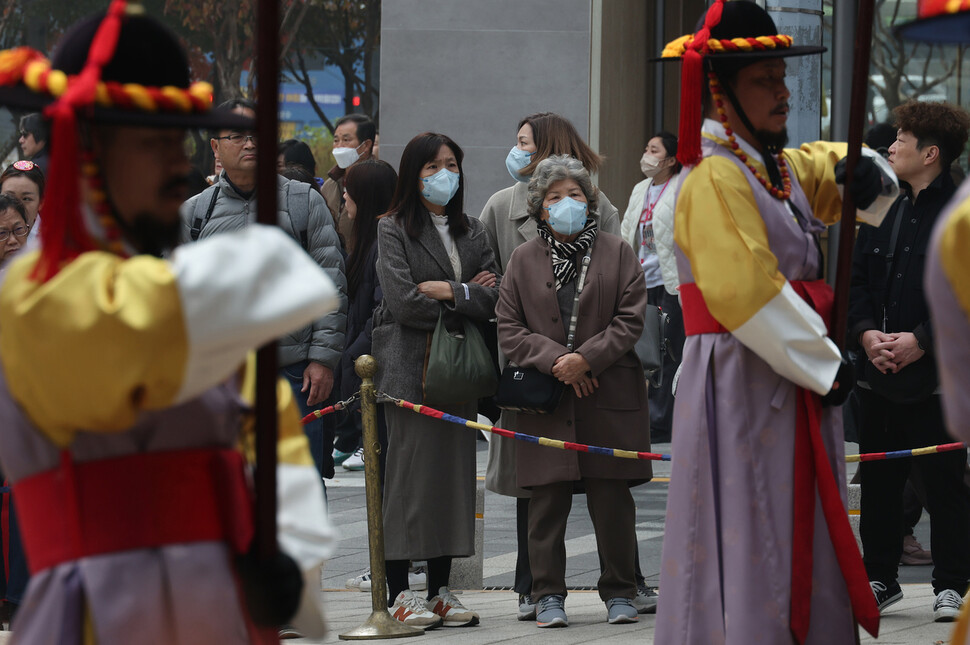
(867, 183)
(845, 380)
(272, 589)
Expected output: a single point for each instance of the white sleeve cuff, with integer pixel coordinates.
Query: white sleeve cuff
(790, 336)
(240, 290)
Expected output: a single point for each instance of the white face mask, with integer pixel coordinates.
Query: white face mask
(650, 165)
(345, 157)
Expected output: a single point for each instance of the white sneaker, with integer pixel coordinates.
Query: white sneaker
(355, 461)
(454, 614)
(411, 610)
(361, 582)
(417, 579)
(947, 606)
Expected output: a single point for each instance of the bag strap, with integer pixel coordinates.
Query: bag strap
(571, 336)
(299, 211)
(199, 223)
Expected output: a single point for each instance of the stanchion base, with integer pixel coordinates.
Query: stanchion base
(380, 624)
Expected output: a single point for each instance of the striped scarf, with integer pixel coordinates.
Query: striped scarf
(564, 254)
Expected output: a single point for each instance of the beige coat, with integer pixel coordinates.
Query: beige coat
(509, 225)
(530, 334)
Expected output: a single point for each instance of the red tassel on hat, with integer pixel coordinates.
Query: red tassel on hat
(63, 233)
(691, 79)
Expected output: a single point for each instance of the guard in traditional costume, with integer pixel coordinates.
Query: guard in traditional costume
(757, 545)
(124, 376)
(947, 277)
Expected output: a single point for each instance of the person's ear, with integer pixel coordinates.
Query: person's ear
(930, 155)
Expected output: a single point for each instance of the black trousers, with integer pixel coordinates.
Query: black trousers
(662, 398)
(886, 426)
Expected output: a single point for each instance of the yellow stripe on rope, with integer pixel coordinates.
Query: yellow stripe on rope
(552, 443)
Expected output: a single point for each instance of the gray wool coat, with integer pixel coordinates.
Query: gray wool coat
(530, 334)
(405, 319)
(429, 483)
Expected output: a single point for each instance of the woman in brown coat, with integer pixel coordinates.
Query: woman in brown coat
(605, 403)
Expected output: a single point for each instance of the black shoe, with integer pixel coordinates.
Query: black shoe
(886, 595)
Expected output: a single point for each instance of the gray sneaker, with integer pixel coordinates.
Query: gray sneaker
(527, 608)
(551, 612)
(947, 606)
(621, 610)
(646, 600)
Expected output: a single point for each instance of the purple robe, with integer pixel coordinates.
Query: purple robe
(182, 594)
(733, 587)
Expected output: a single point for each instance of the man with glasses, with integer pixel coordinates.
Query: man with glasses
(33, 139)
(353, 141)
(308, 356)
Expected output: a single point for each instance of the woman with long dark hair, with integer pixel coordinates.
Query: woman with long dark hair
(433, 261)
(368, 188)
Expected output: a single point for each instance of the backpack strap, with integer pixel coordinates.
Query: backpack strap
(299, 210)
(198, 223)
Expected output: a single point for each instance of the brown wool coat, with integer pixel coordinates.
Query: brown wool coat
(530, 334)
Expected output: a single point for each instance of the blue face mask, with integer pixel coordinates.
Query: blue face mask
(440, 187)
(567, 216)
(516, 161)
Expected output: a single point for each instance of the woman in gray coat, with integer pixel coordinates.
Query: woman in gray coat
(431, 258)
(605, 402)
(507, 221)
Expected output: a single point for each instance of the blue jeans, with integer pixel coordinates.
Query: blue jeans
(319, 432)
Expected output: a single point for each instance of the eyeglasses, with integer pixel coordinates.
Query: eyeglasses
(237, 138)
(19, 231)
(24, 134)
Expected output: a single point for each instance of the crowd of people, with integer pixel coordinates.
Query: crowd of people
(554, 281)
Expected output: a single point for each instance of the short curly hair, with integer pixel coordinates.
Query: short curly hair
(935, 124)
(556, 168)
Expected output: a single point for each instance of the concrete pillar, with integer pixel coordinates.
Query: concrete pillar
(802, 20)
(472, 70)
(469, 573)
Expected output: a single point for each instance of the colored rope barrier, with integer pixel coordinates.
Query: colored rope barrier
(630, 454)
(542, 441)
(330, 409)
(900, 454)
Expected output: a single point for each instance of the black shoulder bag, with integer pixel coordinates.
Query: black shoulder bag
(526, 389)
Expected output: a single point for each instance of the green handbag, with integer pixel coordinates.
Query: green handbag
(459, 368)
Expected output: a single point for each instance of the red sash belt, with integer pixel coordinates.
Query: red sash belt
(812, 471)
(138, 501)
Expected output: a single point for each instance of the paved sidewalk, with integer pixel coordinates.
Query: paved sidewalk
(909, 621)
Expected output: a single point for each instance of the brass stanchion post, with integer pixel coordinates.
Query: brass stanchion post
(380, 624)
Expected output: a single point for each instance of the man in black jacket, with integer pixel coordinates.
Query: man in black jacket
(888, 317)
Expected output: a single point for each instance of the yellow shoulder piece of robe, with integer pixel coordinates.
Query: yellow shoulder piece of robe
(94, 346)
(954, 256)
